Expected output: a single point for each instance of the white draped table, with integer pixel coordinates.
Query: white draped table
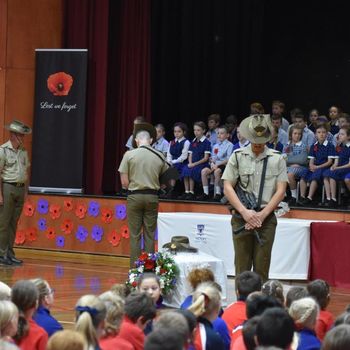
(212, 234)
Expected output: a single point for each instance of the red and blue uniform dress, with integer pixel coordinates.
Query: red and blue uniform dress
(198, 149)
(296, 153)
(343, 153)
(177, 154)
(320, 153)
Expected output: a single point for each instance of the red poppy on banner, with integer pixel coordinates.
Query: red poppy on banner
(60, 83)
(67, 226)
(55, 211)
(50, 233)
(29, 209)
(124, 230)
(20, 237)
(106, 215)
(32, 234)
(80, 210)
(68, 204)
(114, 238)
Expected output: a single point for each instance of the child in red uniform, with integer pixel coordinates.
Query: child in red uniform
(29, 336)
(235, 314)
(319, 290)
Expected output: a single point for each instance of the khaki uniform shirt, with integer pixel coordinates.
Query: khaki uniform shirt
(13, 163)
(143, 168)
(249, 169)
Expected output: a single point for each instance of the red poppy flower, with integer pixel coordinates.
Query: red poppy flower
(106, 215)
(143, 256)
(149, 264)
(50, 233)
(32, 234)
(67, 226)
(195, 144)
(216, 150)
(59, 83)
(29, 209)
(68, 204)
(172, 142)
(20, 237)
(80, 210)
(55, 211)
(134, 284)
(124, 230)
(338, 149)
(315, 148)
(114, 238)
(287, 149)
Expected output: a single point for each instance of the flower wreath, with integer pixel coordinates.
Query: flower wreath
(160, 263)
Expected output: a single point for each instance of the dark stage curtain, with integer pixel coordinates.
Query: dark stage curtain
(117, 35)
(206, 58)
(86, 26)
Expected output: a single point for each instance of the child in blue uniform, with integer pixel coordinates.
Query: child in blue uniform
(242, 142)
(220, 155)
(296, 152)
(213, 123)
(339, 169)
(321, 157)
(198, 157)
(334, 113)
(161, 144)
(275, 144)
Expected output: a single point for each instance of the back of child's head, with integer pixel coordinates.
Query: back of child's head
(5, 291)
(337, 338)
(215, 117)
(295, 293)
(8, 312)
(206, 299)
(319, 290)
(67, 340)
(249, 332)
(115, 311)
(200, 275)
(5, 345)
(163, 339)
(304, 312)
(275, 328)
(343, 318)
(120, 289)
(90, 312)
(274, 288)
(190, 318)
(43, 289)
(247, 282)
(257, 303)
(139, 305)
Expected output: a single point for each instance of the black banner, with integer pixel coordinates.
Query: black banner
(59, 121)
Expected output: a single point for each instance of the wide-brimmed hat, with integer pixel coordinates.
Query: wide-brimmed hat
(144, 127)
(180, 244)
(18, 127)
(257, 128)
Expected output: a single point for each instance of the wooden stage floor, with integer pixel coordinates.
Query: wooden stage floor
(73, 279)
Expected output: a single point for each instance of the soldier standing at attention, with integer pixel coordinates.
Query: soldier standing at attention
(14, 163)
(244, 169)
(139, 173)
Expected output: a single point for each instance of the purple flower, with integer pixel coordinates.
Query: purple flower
(43, 206)
(97, 233)
(94, 209)
(120, 211)
(59, 271)
(79, 282)
(60, 241)
(42, 224)
(95, 284)
(81, 233)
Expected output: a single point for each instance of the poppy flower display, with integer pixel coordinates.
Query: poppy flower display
(67, 226)
(55, 211)
(94, 209)
(68, 204)
(120, 211)
(28, 209)
(32, 234)
(80, 210)
(114, 238)
(107, 215)
(60, 240)
(51, 233)
(124, 230)
(60, 83)
(97, 233)
(20, 237)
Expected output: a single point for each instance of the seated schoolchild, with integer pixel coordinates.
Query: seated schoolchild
(161, 144)
(137, 120)
(242, 142)
(213, 124)
(337, 338)
(67, 340)
(220, 155)
(8, 321)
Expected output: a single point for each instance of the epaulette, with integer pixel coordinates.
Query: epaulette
(238, 150)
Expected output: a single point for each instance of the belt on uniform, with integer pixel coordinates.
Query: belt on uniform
(155, 192)
(16, 184)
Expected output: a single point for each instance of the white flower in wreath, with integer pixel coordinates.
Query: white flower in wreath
(140, 268)
(162, 284)
(157, 270)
